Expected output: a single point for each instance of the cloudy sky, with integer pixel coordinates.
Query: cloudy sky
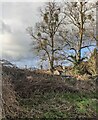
(14, 39)
(15, 42)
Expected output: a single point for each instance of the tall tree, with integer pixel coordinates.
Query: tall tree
(79, 16)
(46, 36)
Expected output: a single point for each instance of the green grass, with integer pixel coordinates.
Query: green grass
(61, 105)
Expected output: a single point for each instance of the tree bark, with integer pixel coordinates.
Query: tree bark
(52, 57)
(80, 32)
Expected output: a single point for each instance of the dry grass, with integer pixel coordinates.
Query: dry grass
(35, 94)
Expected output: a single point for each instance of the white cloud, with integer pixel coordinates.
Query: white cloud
(43, 0)
(14, 40)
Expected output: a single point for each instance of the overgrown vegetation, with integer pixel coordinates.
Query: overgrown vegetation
(49, 97)
(63, 32)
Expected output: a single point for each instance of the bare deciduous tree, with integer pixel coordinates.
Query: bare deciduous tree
(46, 37)
(79, 17)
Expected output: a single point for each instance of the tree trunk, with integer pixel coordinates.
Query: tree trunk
(52, 54)
(81, 33)
(51, 66)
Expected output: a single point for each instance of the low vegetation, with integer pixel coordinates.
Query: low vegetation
(29, 94)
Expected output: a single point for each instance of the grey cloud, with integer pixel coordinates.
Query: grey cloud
(17, 47)
(16, 18)
(5, 27)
